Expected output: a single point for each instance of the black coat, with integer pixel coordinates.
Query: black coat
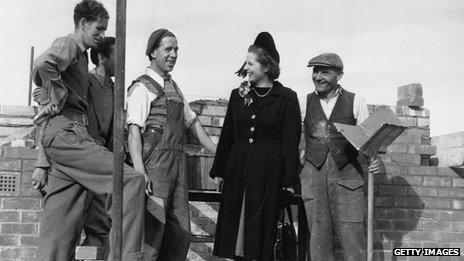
(262, 160)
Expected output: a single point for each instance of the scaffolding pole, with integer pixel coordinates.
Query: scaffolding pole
(118, 141)
(31, 65)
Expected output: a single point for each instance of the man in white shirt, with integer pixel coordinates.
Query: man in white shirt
(331, 180)
(158, 115)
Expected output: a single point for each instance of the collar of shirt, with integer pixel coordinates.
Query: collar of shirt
(79, 43)
(99, 77)
(155, 76)
(337, 92)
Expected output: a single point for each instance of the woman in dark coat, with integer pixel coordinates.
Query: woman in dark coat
(257, 156)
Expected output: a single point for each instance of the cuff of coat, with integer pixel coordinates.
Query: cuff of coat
(213, 174)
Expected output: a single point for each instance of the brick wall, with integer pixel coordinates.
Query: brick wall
(416, 204)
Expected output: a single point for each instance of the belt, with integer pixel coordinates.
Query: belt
(75, 116)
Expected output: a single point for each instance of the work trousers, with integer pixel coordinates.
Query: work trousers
(334, 202)
(80, 166)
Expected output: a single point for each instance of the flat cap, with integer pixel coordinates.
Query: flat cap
(327, 60)
(155, 39)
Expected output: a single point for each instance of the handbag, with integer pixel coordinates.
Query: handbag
(285, 241)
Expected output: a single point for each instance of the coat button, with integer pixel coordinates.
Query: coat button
(253, 117)
(252, 129)
(250, 140)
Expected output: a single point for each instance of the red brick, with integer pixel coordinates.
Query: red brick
(397, 236)
(408, 139)
(423, 170)
(392, 190)
(29, 241)
(382, 224)
(396, 169)
(213, 131)
(218, 121)
(413, 102)
(456, 215)
(9, 240)
(11, 165)
(20, 153)
(203, 226)
(437, 181)
(406, 225)
(437, 203)
(409, 202)
(395, 213)
(408, 122)
(406, 180)
(458, 226)
(18, 252)
(423, 122)
(21, 203)
(29, 191)
(422, 132)
(19, 228)
(404, 158)
(214, 110)
(383, 201)
(451, 236)
(423, 236)
(458, 204)
(422, 149)
(28, 165)
(451, 192)
(422, 191)
(458, 182)
(205, 120)
(423, 213)
(31, 216)
(9, 216)
(436, 225)
(442, 171)
(26, 178)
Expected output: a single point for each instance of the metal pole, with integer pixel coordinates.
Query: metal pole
(118, 141)
(370, 216)
(29, 98)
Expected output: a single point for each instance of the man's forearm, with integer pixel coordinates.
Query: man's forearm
(199, 132)
(135, 147)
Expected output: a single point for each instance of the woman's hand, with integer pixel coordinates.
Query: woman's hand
(39, 178)
(219, 183)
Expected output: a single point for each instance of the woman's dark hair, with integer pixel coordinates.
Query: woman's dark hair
(103, 47)
(91, 10)
(265, 60)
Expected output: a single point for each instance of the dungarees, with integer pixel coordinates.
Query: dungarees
(166, 169)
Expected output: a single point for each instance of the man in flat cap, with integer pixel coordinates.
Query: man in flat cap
(158, 115)
(331, 180)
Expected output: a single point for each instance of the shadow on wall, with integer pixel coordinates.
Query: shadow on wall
(393, 224)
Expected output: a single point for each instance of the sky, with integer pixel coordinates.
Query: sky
(384, 44)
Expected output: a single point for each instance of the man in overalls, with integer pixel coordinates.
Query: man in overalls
(158, 115)
(79, 165)
(331, 180)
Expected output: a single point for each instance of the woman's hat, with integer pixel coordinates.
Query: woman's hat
(265, 41)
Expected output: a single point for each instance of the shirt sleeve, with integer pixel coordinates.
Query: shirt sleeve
(49, 66)
(138, 104)
(360, 110)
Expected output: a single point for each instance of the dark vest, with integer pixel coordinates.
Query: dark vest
(322, 136)
(158, 108)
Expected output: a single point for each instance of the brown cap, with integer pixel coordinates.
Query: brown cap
(155, 39)
(327, 60)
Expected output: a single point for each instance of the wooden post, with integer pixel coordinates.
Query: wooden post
(118, 141)
(29, 98)
(370, 216)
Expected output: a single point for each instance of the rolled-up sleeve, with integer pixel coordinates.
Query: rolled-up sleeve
(138, 104)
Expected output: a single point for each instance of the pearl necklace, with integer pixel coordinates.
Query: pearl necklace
(263, 95)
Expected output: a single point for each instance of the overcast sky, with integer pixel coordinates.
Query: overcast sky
(383, 44)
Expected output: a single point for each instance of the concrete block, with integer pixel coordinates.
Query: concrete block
(413, 102)
(15, 122)
(413, 90)
(18, 111)
(214, 110)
